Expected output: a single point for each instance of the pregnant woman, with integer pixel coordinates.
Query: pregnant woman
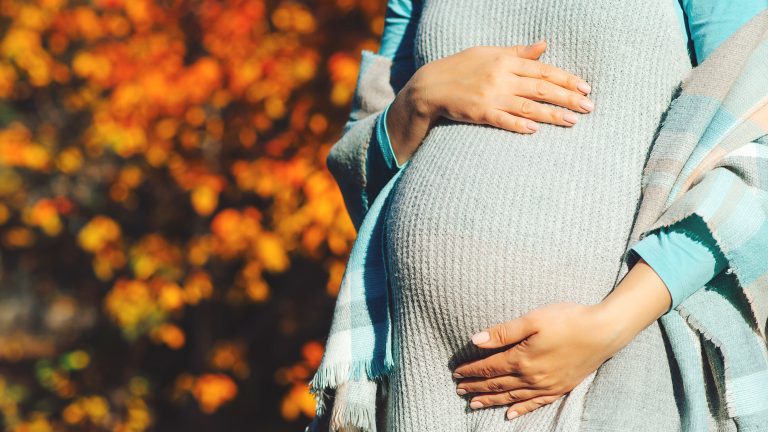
(524, 177)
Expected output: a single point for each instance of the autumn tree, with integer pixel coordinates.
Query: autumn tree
(172, 241)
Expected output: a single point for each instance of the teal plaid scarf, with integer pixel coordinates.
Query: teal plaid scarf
(710, 159)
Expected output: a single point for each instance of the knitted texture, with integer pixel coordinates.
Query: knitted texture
(486, 224)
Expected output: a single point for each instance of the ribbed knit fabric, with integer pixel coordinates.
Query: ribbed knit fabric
(487, 224)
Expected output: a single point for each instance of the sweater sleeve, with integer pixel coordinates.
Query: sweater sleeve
(711, 22)
(684, 255)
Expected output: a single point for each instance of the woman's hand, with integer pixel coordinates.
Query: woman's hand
(498, 86)
(554, 347)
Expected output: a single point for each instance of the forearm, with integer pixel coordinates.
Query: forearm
(409, 119)
(637, 301)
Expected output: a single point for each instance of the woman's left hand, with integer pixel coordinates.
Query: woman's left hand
(554, 347)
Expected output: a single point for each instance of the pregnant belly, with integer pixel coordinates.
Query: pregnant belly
(486, 224)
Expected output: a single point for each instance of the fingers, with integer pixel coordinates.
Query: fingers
(490, 385)
(527, 406)
(531, 52)
(503, 334)
(541, 90)
(504, 398)
(535, 69)
(505, 120)
(510, 362)
(527, 65)
(489, 367)
(539, 112)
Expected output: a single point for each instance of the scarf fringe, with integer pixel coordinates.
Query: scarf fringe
(354, 417)
(329, 377)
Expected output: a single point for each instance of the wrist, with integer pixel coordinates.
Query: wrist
(423, 107)
(637, 301)
(397, 139)
(616, 332)
(408, 119)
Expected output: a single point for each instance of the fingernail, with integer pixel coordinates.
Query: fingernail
(533, 127)
(483, 336)
(587, 104)
(512, 414)
(461, 392)
(457, 375)
(570, 118)
(537, 44)
(584, 87)
(475, 404)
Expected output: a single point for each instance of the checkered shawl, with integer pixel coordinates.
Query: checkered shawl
(710, 160)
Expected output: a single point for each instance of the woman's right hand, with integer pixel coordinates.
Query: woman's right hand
(498, 86)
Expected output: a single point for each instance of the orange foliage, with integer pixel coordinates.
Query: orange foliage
(162, 175)
(213, 390)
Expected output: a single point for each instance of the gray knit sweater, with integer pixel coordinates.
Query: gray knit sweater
(486, 224)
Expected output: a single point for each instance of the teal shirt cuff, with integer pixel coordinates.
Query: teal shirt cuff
(385, 145)
(684, 255)
(381, 164)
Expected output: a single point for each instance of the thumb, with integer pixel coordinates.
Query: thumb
(507, 333)
(532, 51)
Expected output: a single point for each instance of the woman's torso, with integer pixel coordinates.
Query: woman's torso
(486, 224)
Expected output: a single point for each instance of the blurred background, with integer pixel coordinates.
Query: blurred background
(171, 240)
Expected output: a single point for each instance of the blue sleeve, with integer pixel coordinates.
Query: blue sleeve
(396, 20)
(710, 22)
(684, 255)
(381, 163)
(397, 40)
(400, 21)
(385, 148)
